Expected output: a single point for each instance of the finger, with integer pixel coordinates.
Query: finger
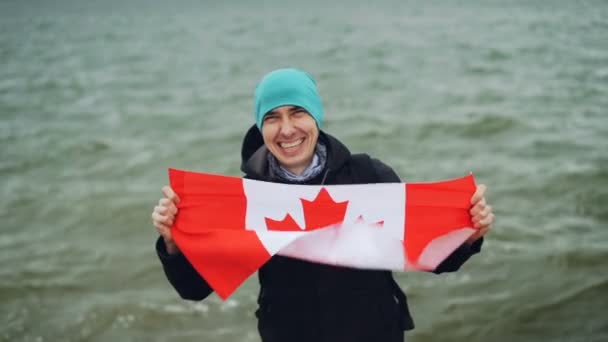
(165, 232)
(487, 210)
(483, 213)
(480, 206)
(170, 194)
(479, 193)
(158, 218)
(166, 203)
(487, 221)
(162, 229)
(170, 210)
(476, 221)
(479, 223)
(162, 210)
(167, 220)
(483, 221)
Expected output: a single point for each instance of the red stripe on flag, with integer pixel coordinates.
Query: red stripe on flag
(210, 227)
(433, 210)
(212, 254)
(208, 201)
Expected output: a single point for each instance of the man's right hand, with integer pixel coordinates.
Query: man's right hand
(163, 216)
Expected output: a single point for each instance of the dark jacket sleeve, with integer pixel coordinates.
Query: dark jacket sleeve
(453, 262)
(180, 273)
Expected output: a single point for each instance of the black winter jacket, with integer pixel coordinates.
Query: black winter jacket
(303, 301)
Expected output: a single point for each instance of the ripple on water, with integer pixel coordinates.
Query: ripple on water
(482, 127)
(586, 191)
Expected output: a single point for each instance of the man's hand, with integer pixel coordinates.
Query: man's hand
(481, 213)
(163, 217)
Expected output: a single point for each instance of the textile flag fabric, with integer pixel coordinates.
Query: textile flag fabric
(228, 227)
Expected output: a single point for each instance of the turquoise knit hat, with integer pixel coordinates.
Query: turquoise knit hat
(284, 87)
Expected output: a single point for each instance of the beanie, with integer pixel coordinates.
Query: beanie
(287, 87)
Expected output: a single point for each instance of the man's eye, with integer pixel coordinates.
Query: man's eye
(269, 118)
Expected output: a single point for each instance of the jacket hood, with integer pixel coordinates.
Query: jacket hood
(254, 162)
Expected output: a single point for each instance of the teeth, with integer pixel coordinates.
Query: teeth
(293, 144)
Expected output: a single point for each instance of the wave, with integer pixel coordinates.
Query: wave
(483, 127)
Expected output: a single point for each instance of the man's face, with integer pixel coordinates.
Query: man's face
(290, 134)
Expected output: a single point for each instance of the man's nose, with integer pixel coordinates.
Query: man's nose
(287, 128)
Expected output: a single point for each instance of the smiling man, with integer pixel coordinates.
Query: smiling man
(290, 134)
(300, 300)
(288, 111)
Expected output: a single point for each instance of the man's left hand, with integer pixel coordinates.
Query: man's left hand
(481, 213)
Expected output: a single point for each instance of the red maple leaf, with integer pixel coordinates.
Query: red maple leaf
(321, 212)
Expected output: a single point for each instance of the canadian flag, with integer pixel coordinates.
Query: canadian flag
(228, 227)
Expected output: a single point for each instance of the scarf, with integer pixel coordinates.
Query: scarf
(314, 169)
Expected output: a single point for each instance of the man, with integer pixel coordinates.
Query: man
(299, 300)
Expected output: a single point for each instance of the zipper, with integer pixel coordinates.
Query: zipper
(325, 176)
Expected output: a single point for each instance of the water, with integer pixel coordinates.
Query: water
(97, 100)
